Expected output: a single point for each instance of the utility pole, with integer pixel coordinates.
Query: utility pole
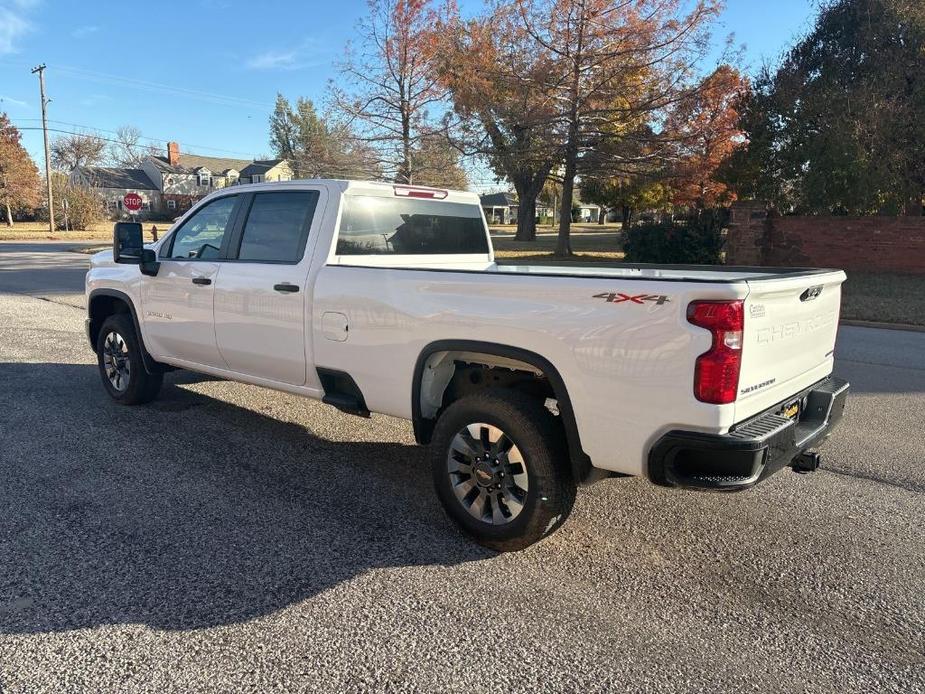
(51, 202)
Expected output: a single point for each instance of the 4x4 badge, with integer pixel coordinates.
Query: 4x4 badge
(619, 298)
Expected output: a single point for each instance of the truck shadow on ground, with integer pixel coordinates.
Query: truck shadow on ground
(192, 511)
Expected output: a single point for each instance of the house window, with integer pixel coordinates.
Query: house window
(205, 179)
(171, 204)
(257, 178)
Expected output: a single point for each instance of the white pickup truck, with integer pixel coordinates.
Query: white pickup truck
(525, 380)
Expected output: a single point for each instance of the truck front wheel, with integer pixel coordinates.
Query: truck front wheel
(121, 366)
(500, 468)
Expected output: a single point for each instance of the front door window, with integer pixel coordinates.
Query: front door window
(201, 236)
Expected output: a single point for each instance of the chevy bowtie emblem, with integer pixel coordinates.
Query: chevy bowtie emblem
(620, 297)
(811, 293)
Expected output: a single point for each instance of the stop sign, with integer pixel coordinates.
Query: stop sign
(132, 202)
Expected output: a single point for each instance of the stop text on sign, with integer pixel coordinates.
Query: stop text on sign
(132, 202)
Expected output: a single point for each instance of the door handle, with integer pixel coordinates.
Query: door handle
(202, 280)
(286, 287)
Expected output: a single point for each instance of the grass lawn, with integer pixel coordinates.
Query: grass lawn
(577, 228)
(884, 296)
(600, 243)
(529, 257)
(869, 296)
(99, 231)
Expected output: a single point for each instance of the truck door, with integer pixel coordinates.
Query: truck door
(177, 303)
(261, 308)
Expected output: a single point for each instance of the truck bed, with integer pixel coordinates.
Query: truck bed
(725, 274)
(617, 335)
(678, 273)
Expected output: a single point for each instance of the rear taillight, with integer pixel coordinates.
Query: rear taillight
(716, 374)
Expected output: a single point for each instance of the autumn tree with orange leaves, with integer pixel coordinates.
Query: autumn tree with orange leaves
(19, 179)
(618, 68)
(389, 85)
(707, 131)
(496, 74)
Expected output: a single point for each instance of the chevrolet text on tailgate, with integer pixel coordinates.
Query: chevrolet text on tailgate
(526, 381)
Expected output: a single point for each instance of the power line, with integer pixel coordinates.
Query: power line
(93, 135)
(69, 132)
(142, 137)
(146, 85)
(486, 181)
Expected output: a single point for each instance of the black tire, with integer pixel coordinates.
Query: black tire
(540, 441)
(137, 386)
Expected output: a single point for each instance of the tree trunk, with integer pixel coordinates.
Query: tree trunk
(526, 219)
(9, 215)
(627, 217)
(564, 243)
(405, 173)
(602, 213)
(527, 192)
(913, 207)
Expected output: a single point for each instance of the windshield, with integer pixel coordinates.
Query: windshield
(377, 225)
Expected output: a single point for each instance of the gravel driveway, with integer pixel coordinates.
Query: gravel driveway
(227, 537)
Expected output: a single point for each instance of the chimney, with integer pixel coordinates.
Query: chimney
(173, 153)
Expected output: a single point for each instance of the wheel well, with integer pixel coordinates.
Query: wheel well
(107, 302)
(451, 375)
(101, 307)
(447, 371)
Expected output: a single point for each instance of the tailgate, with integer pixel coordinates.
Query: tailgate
(789, 341)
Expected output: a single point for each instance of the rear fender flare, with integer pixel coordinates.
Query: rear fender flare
(423, 427)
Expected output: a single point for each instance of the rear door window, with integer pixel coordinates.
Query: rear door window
(373, 225)
(277, 226)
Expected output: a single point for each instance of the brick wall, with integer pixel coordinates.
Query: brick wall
(892, 244)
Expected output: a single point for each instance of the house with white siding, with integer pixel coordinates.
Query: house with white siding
(171, 184)
(501, 208)
(113, 184)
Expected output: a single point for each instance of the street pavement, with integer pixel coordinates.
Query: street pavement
(230, 538)
(45, 268)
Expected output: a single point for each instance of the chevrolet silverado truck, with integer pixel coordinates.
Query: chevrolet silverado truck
(526, 381)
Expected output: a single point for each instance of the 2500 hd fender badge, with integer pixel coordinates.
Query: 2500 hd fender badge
(619, 298)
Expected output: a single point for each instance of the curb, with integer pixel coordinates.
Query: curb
(907, 327)
(87, 250)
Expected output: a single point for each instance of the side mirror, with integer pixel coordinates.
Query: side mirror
(148, 262)
(127, 243)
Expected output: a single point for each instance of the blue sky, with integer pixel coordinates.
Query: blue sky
(206, 72)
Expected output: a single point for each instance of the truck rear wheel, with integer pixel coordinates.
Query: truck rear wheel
(500, 468)
(121, 366)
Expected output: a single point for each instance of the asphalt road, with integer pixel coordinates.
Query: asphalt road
(227, 537)
(44, 268)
